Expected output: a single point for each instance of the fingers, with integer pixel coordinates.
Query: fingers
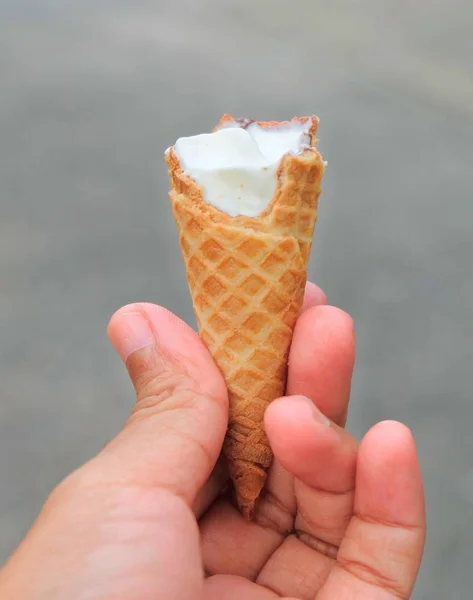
(313, 296)
(321, 457)
(174, 436)
(381, 552)
(389, 481)
(322, 358)
(320, 368)
(309, 446)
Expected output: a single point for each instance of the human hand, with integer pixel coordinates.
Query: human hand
(335, 521)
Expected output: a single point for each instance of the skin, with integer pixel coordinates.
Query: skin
(147, 518)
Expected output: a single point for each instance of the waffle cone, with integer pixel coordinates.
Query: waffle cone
(247, 278)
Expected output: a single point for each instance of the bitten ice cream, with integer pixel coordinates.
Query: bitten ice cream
(245, 203)
(236, 166)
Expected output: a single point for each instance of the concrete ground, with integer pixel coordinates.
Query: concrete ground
(92, 92)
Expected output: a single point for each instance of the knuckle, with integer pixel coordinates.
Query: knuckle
(162, 384)
(158, 387)
(372, 576)
(319, 545)
(169, 392)
(272, 513)
(168, 396)
(325, 514)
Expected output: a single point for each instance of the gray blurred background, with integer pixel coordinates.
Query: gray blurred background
(92, 92)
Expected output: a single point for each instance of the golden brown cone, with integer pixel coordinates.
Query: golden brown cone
(247, 278)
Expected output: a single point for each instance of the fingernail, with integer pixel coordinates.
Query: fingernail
(135, 334)
(316, 414)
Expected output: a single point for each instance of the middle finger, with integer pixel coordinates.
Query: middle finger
(320, 368)
(321, 457)
(321, 360)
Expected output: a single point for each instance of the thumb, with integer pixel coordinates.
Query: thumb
(119, 526)
(175, 433)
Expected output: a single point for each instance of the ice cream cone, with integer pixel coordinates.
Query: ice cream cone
(247, 277)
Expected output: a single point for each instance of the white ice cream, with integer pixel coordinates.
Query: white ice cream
(237, 167)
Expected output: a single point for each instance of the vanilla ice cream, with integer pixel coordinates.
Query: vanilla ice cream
(236, 166)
